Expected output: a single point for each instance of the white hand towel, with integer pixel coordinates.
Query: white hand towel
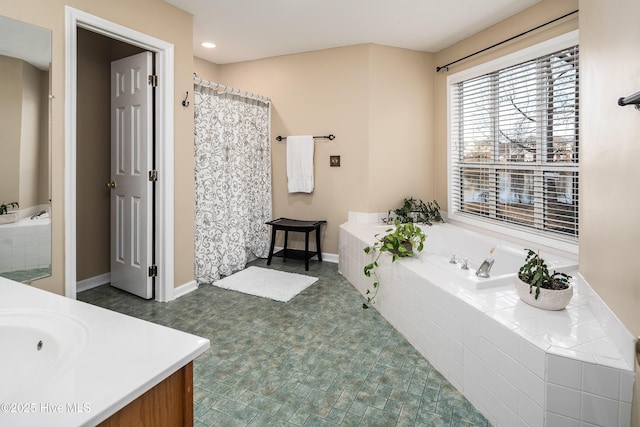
(300, 164)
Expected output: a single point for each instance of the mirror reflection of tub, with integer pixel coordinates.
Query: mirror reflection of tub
(25, 107)
(25, 248)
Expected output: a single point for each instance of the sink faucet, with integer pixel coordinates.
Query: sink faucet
(485, 268)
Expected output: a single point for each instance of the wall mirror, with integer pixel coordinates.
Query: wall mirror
(25, 162)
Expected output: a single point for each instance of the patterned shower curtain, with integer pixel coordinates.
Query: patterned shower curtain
(232, 181)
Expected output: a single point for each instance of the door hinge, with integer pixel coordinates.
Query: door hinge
(153, 271)
(153, 176)
(153, 80)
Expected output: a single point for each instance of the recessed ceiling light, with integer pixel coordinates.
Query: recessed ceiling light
(208, 45)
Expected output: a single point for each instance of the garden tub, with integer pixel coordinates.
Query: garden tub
(517, 364)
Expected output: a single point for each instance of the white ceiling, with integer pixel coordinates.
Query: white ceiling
(25, 41)
(252, 29)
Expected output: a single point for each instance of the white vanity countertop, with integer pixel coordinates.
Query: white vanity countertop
(123, 357)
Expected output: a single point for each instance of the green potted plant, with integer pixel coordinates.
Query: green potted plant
(400, 241)
(538, 287)
(415, 210)
(7, 217)
(4, 207)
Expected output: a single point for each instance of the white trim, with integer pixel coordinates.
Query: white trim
(93, 282)
(185, 288)
(330, 257)
(71, 43)
(528, 235)
(74, 19)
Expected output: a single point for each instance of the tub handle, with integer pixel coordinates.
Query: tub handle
(111, 184)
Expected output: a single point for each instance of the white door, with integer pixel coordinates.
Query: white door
(131, 161)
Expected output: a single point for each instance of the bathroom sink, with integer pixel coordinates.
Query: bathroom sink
(37, 346)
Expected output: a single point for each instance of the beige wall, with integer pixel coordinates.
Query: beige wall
(609, 158)
(93, 151)
(169, 24)
(23, 99)
(10, 117)
(401, 144)
(315, 93)
(375, 99)
(44, 155)
(205, 70)
(30, 136)
(610, 154)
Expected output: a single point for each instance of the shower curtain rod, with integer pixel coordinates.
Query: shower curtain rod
(228, 89)
(504, 41)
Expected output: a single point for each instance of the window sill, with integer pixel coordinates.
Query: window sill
(562, 246)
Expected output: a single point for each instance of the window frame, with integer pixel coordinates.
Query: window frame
(533, 236)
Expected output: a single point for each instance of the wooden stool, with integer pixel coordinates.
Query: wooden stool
(288, 225)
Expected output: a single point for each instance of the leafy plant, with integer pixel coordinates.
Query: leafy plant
(415, 210)
(4, 207)
(400, 241)
(536, 274)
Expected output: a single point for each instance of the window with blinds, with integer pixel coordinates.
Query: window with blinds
(514, 145)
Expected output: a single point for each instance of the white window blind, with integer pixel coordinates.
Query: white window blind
(514, 145)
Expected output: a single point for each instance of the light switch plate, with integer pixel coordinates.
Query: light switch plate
(334, 161)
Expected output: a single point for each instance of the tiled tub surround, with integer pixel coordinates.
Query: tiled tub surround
(25, 244)
(517, 364)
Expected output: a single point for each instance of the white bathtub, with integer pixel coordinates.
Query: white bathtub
(517, 364)
(444, 241)
(25, 244)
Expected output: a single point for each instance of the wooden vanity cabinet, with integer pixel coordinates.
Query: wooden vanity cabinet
(170, 404)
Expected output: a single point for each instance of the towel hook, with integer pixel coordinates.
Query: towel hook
(185, 103)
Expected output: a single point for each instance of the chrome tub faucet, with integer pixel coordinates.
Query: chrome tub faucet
(485, 268)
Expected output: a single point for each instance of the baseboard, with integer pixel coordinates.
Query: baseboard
(330, 257)
(184, 289)
(105, 279)
(93, 282)
(191, 286)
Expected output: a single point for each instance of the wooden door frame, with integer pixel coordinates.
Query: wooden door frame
(164, 243)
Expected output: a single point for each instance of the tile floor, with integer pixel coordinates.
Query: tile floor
(318, 360)
(25, 276)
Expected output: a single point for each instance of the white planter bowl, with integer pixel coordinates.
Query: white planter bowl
(549, 299)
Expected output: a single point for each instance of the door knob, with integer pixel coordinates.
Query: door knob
(111, 184)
